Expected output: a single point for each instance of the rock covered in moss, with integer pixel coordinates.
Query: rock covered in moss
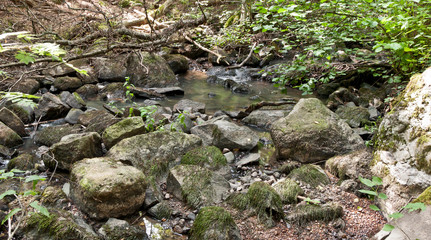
(54, 196)
(310, 174)
(25, 161)
(425, 196)
(24, 111)
(196, 185)
(106, 188)
(73, 148)
(160, 211)
(111, 70)
(354, 116)
(207, 156)
(153, 152)
(304, 213)
(311, 133)
(214, 223)
(263, 200)
(11, 120)
(73, 100)
(116, 229)
(178, 63)
(97, 121)
(402, 154)
(58, 225)
(53, 134)
(125, 128)
(67, 83)
(351, 166)
(9, 137)
(288, 190)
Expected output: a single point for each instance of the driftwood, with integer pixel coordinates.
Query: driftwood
(259, 105)
(205, 49)
(245, 60)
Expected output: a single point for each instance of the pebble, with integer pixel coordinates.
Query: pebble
(191, 216)
(226, 150)
(181, 222)
(254, 174)
(167, 196)
(276, 174)
(178, 229)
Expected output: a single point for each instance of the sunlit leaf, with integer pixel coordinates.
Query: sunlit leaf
(40, 208)
(388, 227)
(374, 207)
(10, 214)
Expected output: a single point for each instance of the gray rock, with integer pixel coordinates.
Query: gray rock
(196, 185)
(67, 83)
(106, 188)
(160, 211)
(264, 118)
(53, 134)
(73, 100)
(8, 137)
(88, 91)
(252, 158)
(97, 121)
(126, 128)
(23, 162)
(312, 132)
(24, 111)
(115, 229)
(354, 116)
(29, 86)
(154, 152)
(374, 113)
(225, 134)
(339, 97)
(178, 63)
(73, 148)
(169, 91)
(11, 120)
(50, 107)
(229, 157)
(73, 115)
(111, 70)
(352, 165)
(189, 106)
(326, 89)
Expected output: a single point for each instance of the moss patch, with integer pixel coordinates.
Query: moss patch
(288, 190)
(210, 219)
(196, 190)
(310, 174)
(207, 156)
(425, 197)
(306, 213)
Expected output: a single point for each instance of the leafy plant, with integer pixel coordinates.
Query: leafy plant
(374, 184)
(18, 97)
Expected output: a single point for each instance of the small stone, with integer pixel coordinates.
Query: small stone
(239, 189)
(181, 222)
(191, 216)
(226, 150)
(178, 229)
(276, 174)
(167, 196)
(254, 174)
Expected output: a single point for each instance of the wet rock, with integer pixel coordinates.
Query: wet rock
(264, 118)
(153, 152)
(148, 70)
(225, 134)
(67, 83)
(53, 134)
(196, 185)
(402, 147)
(214, 223)
(116, 229)
(59, 225)
(73, 100)
(50, 107)
(160, 211)
(11, 120)
(354, 116)
(250, 159)
(288, 190)
(24, 111)
(73, 148)
(5, 152)
(352, 165)
(310, 174)
(304, 213)
(236, 87)
(294, 136)
(339, 97)
(8, 137)
(23, 162)
(178, 63)
(88, 91)
(169, 91)
(126, 128)
(106, 188)
(189, 106)
(111, 70)
(73, 115)
(28, 86)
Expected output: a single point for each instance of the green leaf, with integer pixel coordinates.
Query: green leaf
(368, 192)
(396, 215)
(374, 207)
(369, 1)
(382, 196)
(34, 178)
(388, 227)
(7, 193)
(40, 208)
(367, 182)
(377, 180)
(10, 214)
(48, 49)
(415, 206)
(25, 57)
(30, 192)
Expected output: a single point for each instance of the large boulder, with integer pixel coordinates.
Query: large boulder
(197, 186)
(402, 154)
(13, 121)
(148, 70)
(67, 83)
(189, 106)
(351, 166)
(126, 128)
(264, 118)
(73, 148)
(111, 70)
(8, 137)
(53, 134)
(214, 223)
(154, 152)
(312, 133)
(50, 107)
(24, 111)
(105, 188)
(178, 63)
(225, 134)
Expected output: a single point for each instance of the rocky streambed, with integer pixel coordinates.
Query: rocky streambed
(283, 168)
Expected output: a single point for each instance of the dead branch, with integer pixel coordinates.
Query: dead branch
(219, 57)
(245, 60)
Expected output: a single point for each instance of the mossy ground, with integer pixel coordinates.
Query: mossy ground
(208, 156)
(211, 218)
(425, 197)
(196, 189)
(288, 191)
(309, 174)
(306, 213)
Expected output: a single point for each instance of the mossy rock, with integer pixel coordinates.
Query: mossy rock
(354, 116)
(53, 196)
(287, 167)
(125, 128)
(288, 190)
(53, 134)
(116, 229)
(8, 137)
(310, 174)
(263, 200)
(425, 197)
(206, 156)
(305, 213)
(58, 225)
(160, 211)
(24, 161)
(214, 223)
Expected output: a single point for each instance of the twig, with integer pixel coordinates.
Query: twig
(245, 60)
(219, 57)
(202, 11)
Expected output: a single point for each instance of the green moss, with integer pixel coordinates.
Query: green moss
(302, 214)
(287, 167)
(161, 211)
(422, 163)
(210, 219)
(195, 189)
(207, 156)
(24, 161)
(425, 197)
(309, 174)
(263, 200)
(288, 190)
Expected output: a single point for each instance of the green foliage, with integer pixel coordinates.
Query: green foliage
(25, 57)
(18, 97)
